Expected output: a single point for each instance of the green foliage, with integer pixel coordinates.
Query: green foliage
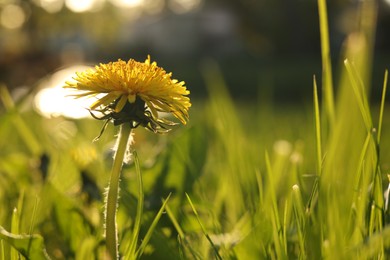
(241, 181)
(30, 246)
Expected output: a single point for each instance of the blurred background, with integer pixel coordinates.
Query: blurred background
(268, 48)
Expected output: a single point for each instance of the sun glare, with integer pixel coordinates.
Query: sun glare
(79, 6)
(150, 6)
(127, 3)
(53, 100)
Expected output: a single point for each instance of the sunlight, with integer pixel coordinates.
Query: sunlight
(79, 6)
(127, 3)
(54, 100)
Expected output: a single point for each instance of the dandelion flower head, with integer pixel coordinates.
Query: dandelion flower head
(133, 92)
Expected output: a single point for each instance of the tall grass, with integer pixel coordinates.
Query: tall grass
(240, 182)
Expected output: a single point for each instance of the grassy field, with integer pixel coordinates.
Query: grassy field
(241, 181)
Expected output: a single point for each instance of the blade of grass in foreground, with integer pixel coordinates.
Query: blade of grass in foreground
(286, 219)
(130, 252)
(358, 211)
(203, 228)
(327, 81)
(15, 223)
(376, 200)
(2, 255)
(299, 212)
(382, 108)
(181, 236)
(15, 230)
(345, 145)
(175, 222)
(361, 98)
(30, 246)
(149, 233)
(317, 119)
(275, 218)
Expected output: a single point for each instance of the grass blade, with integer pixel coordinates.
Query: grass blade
(203, 228)
(15, 230)
(358, 89)
(285, 223)
(30, 246)
(2, 253)
(327, 81)
(275, 217)
(299, 211)
(130, 252)
(382, 108)
(317, 120)
(174, 222)
(181, 236)
(149, 233)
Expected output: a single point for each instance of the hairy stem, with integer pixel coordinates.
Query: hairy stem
(112, 193)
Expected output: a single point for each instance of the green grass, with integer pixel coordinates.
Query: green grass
(241, 181)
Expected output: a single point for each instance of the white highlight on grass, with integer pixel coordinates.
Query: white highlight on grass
(386, 195)
(295, 187)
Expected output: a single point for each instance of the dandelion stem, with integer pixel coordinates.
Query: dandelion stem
(113, 190)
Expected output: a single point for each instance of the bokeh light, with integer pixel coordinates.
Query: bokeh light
(53, 100)
(127, 3)
(12, 16)
(52, 6)
(79, 6)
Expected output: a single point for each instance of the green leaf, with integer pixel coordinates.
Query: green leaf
(30, 246)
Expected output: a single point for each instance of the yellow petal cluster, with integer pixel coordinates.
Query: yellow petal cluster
(118, 83)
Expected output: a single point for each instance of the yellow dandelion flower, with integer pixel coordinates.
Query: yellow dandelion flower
(133, 92)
